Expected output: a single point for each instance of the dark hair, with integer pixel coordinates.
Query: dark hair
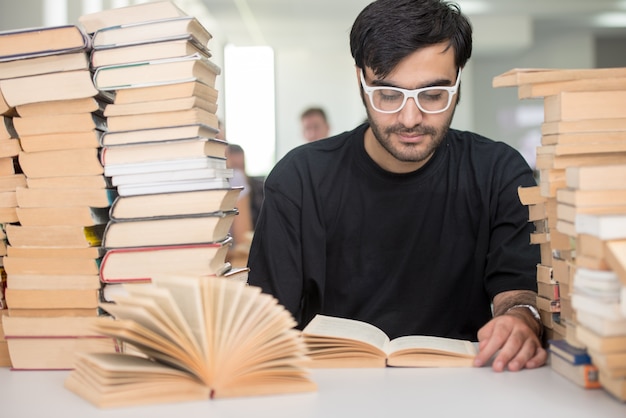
(313, 111)
(387, 31)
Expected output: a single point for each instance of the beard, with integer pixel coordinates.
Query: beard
(412, 153)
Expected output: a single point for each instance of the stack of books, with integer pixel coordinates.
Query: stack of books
(582, 168)
(10, 179)
(552, 271)
(574, 363)
(53, 250)
(175, 204)
(5, 359)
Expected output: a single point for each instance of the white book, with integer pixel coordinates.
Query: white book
(177, 175)
(597, 306)
(603, 226)
(164, 165)
(172, 186)
(601, 326)
(603, 283)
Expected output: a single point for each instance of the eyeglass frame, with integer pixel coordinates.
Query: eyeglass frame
(452, 90)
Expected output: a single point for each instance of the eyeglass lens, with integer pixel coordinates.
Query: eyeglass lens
(391, 100)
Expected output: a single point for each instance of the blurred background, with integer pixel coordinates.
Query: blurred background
(282, 56)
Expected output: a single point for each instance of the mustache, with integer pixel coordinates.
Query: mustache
(416, 130)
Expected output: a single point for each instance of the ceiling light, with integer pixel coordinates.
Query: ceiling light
(473, 7)
(610, 20)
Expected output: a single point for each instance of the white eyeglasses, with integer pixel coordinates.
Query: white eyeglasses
(428, 99)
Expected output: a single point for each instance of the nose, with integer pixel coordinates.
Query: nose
(410, 114)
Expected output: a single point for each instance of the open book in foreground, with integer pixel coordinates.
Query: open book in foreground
(341, 342)
(196, 338)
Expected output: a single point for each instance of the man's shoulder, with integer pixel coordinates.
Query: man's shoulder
(323, 150)
(468, 141)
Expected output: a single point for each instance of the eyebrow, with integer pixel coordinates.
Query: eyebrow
(437, 83)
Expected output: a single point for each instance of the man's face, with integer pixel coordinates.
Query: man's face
(404, 141)
(314, 127)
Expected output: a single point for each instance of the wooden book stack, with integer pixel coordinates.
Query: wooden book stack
(175, 204)
(582, 165)
(61, 204)
(5, 359)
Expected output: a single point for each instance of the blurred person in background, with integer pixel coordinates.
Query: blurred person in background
(314, 124)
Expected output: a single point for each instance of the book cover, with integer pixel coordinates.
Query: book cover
(48, 40)
(159, 187)
(92, 22)
(63, 197)
(156, 72)
(63, 85)
(143, 263)
(165, 92)
(175, 230)
(178, 203)
(572, 354)
(152, 31)
(44, 64)
(162, 151)
(174, 175)
(585, 375)
(55, 235)
(111, 170)
(61, 163)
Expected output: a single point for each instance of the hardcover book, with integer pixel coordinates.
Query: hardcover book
(142, 12)
(141, 264)
(49, 40)
(150, 31)
(175, 230)
(170, 204)
(156, 72)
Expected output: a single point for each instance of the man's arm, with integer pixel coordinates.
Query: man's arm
(513, 335)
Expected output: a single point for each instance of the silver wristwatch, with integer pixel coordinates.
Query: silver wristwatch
(533, 311)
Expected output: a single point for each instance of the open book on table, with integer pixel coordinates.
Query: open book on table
(342, 342)
(193, 338)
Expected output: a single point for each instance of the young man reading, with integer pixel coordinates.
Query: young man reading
(403, 222)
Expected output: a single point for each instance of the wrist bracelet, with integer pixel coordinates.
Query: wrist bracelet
(533, 311)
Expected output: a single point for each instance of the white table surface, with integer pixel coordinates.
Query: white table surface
(360, 393)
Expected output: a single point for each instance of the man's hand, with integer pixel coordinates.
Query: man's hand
(518, 344)
(513, 332)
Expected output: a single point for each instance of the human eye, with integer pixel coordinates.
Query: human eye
(433, 95)
(389, 95)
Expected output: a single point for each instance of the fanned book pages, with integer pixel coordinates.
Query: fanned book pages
(198, 338)
(341, 342)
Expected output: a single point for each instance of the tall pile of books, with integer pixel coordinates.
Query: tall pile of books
(582, 165)
(61, 201)
(175, 204)
(10, 179)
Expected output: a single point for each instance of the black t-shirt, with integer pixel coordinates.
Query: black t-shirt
(417, 253)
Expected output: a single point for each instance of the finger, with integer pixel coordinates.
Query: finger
(525, 353)
(510, 349)
(489, 347)
(538, 360)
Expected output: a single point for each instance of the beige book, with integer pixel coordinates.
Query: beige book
(206, 338)
(342, 342)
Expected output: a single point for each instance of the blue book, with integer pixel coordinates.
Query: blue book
(574, 355)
